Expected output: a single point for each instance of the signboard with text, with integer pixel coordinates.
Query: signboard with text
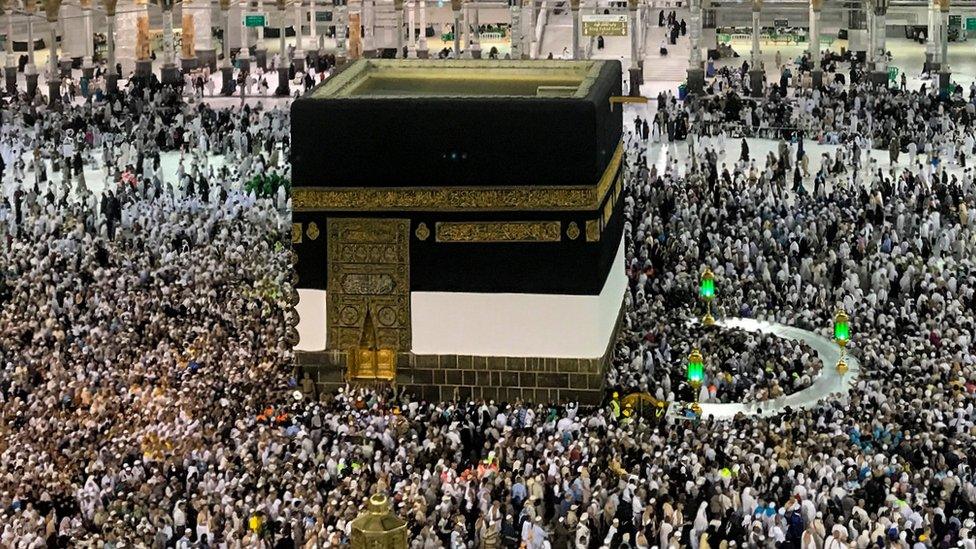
(255, 20)
(604, 25)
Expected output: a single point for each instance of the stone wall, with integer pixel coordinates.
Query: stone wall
(451, 377)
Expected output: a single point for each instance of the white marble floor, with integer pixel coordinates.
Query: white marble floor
(829, 384)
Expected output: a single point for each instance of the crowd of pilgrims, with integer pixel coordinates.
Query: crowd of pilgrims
(912, 121)
(148, 399)
(740, 366)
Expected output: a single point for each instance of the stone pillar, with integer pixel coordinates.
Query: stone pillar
(869, 28)
(636, 77)
(299, 56)
(10, 65)
(143, 63)
(340, 26)
(757, 77)
(814, 42)
(574, 6)
(260, 51)
(368, 17)
(30, 71)
(516, 35)
(931, 53)
(87, 64)
(52, 8)
(72, 45)
(879, 76)
(283, 88)
(456, 7)
(709, 39)
(111, 75)
(412, 30)
(226, 69)
(422, 52)
(696, 72)
(944, 72)
(203, 46)
(475, 29)
(398, 8)
(244, 53)
(188, 38)
(169, 74)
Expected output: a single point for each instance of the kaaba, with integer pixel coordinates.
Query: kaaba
(458, 226)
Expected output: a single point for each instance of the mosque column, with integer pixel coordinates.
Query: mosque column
(869, 31)
(340, 31)
(532, 48)
(515, 6)
(931, 42)
(574, 6)
(944, 72)
(111, 75)
(398, 9)
(283, 88)
(244, 53)
(188, 39)
(170, 75)
(411, 30)
(67, 34)
(10, 66)
(226, 69)
(260, 51)
(879, 76)
(757, 77)
(475, 19)
(422, 51)
(696, 72)
(636, 76)
(30, 71)
(52, 8)
(367, 19)
(813, 42)
(313, 34)
(188, 32)
(87, 64)
(142, 48)
(456, 7)
(298, 58)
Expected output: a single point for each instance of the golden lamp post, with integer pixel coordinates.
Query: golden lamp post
(706, 290)
(842, 334)
(696, 376)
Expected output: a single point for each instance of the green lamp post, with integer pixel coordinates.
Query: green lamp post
(706, 290)
(842, 334)
(696, 376)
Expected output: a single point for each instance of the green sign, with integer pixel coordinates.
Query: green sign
(971, 23)
(255, 20)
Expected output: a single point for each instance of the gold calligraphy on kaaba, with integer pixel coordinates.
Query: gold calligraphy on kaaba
(498, 231)
(459, 198)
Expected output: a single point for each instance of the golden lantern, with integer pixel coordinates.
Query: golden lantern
(842, 334)
(378, 527)
(706, 290)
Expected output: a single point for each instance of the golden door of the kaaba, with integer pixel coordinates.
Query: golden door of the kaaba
(369, 294)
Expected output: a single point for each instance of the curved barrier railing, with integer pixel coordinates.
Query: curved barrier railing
(829, 384)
